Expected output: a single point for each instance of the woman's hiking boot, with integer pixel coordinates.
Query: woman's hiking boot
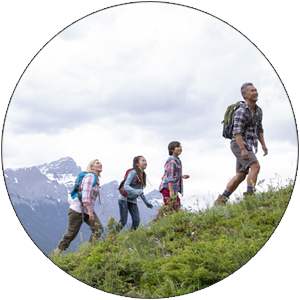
(222, 200)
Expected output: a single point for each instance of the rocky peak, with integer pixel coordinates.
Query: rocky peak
(66, 166)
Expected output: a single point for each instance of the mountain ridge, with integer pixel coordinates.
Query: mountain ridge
(40, 196)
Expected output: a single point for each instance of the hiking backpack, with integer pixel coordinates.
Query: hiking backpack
(228, 119)
(120, 188)
(76, 191)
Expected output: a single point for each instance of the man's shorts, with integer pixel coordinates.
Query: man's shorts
(241, 164)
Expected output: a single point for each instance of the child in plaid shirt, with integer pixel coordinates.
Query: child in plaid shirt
(171, 183)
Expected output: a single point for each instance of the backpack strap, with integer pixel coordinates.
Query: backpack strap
(137, 179)
(250, 118)
(76, 192)
(127, 172)
(95, 179)
(249, 111)
(259, 113)
(125, 177)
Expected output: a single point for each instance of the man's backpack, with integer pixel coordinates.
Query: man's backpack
(76, 191)
(121, 186)
(228, 119)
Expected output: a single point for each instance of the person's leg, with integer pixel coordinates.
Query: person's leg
(74, 224)
(241, 173)
(135, 215)
(231, 187)
(252, 176)
(166, 194)
(96, 228)
(178, 206)
(123, 208)
(243, 166)
(235, 181)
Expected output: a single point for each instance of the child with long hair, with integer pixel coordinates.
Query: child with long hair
(132, 189)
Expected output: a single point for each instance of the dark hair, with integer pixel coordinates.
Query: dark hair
(172, 146)
(141, 175)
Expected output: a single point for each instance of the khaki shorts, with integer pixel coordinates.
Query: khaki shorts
(241, 164)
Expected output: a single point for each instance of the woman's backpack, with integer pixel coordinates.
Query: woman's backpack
(121, 186)
(76, 191)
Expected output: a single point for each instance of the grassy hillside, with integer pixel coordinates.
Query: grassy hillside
(181, 252)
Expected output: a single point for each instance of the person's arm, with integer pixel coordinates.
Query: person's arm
(244, 151)
(137, 192)
(171, 189)
(148, 204)
(129, 180)
(170, 169)
(262, 141)
(260, 131)
(91, 213)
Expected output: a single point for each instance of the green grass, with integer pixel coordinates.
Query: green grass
(182, 252)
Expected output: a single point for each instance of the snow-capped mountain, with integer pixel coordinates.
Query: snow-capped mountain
(29, 186)
(40, 197)
(154, 197)
(64, 171)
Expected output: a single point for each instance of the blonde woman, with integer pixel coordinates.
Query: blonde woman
(89, 196)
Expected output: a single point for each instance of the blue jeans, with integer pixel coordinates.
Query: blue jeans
(133, 209)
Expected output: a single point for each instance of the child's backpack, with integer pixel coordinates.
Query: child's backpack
(228, 119)
(120, 188)
(76, 191)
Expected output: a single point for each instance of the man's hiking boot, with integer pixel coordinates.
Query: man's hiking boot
(221, 200)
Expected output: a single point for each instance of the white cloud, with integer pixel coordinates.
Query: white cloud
(128, 80)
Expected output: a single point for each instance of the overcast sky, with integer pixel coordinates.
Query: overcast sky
(128, 80)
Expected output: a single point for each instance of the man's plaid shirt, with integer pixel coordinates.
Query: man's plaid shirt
(240, 126)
